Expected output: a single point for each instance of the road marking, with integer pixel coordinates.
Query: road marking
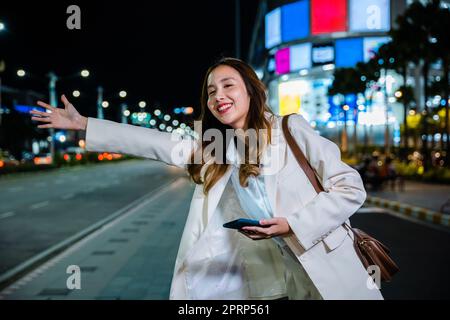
(6, 214)
(39, 205)
(67, 196)
(15, 189)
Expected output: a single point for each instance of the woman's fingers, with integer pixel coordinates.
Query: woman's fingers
(40, 113)
(45, 126)
(64, 100)
(45, 105)
(41, 119)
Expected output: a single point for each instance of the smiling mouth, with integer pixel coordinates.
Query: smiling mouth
(224, 108)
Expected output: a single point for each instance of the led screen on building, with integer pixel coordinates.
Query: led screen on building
(282, 61)
(371, 46)
(328, 16)
(273, 28)
(295, 21)
(369, 15)
(349, 52)
(322, 54)
(300, 57)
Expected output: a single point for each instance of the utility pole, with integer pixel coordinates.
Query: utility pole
(99, 102)
(54, 103)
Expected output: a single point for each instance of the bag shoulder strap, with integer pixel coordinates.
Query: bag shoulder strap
(300, 157)
(303, 162)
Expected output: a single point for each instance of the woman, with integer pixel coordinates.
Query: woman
(303, 252)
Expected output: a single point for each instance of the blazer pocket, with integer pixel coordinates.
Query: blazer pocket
(335, 239)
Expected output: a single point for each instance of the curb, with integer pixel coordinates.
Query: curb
(411, 211)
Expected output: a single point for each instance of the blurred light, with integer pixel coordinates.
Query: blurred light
(182, 126)
(284, 77)
(66, 157)
(85, 73)
(122, 94)
(76, 93)
(157, 112)
(188, 110)
(162, 126)
(433, 40)
(175, 122)
(437, 154)
(153, 122)
(361, 108)
(437, 137)
(420, 170)
(21, 73)
(331, 124)
(142, 104)
(303, 72)
(109, 156)
(392, 100)
(2, 26)
(412, 112)
(78, 157)
(437, 78)
(105, 104)
(328, 67)
(177, 110)
(100, 157)
(398, 94)
(166, 117)
(346, 107)
(363, 78)
(436, 117)
(62, 138)
(126, 113)
(82, 143)
(169, 129)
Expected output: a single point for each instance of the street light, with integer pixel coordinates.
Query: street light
(142, 104)
(122, 94)
(84, 73)
(2, 26)
(105, 104)
(76, 93)
(21, 73)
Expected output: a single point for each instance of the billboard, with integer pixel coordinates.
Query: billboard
(371, 45)
(300, 57)
(328, 16)
(295, 21)
(273, 28)
(369, 15)
(282, 61)
(322, 54)
(349, 52)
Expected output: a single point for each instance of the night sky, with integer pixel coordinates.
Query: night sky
(158, 51)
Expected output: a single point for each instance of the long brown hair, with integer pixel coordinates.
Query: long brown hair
(255, 120)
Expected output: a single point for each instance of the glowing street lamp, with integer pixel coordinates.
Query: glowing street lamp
(142, 104)
(76, 93)
(122, 94)
(21, 73)
(84, 73)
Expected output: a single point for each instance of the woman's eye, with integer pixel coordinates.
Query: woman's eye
(211, 92)
(228, 85)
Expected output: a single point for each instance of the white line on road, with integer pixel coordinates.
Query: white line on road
(6, 214)
(15, 189)
(67, 196)
(39, 205)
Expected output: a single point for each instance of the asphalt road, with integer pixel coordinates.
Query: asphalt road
(421, 251)
(39, 210)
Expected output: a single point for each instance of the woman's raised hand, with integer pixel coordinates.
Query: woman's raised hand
(58, 118)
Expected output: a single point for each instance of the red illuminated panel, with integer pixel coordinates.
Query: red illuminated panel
(328, 16)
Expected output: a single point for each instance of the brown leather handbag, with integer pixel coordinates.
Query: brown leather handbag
(369, 250)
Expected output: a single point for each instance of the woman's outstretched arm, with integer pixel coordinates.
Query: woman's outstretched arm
(109, 136)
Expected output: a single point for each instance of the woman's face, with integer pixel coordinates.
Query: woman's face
(228, 99)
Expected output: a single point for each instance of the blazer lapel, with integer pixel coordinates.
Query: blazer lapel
(273, 160)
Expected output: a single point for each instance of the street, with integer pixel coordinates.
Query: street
(133, 255)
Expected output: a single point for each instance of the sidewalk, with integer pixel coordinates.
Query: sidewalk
(419, 200)
(131, 257)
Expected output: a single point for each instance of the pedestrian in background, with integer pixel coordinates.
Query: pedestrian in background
(301, 251)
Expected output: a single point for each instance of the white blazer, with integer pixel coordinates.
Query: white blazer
(321, 244)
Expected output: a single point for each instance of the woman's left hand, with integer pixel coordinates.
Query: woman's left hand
(272, 228)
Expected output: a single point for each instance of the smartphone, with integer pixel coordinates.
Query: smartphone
(239, 223)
